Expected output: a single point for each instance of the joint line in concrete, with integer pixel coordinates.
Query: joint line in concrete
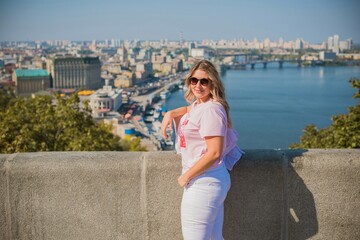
(8, 214)
(284, 212)
(143, 196)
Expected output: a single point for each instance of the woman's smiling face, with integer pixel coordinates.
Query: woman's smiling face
(200, 90)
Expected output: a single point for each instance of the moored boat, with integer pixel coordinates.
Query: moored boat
(165, 94)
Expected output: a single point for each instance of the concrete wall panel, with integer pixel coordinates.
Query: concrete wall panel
(285, 194)
(163, 195)
(253, 208)
(324, 195)
(76, 196)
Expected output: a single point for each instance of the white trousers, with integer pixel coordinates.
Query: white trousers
(202, 206)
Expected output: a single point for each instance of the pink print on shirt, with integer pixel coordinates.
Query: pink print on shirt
(181, 134)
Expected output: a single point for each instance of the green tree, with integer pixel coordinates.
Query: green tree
(344, 132)
(132, 144)
(6, 97)
(46, 124)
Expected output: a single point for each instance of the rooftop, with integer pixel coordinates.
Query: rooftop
(31, 73)
(69, 59)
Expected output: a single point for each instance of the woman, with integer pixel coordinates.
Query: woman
(201, 140)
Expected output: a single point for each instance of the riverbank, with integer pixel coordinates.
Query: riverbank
(147, 98)
(148, 119)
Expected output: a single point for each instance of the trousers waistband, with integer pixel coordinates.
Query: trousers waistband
(211, 169)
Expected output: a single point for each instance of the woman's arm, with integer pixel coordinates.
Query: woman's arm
(170, 115)
(215, 147)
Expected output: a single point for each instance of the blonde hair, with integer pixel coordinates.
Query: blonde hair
(217, 90)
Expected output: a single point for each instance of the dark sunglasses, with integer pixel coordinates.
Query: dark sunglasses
(204, 81)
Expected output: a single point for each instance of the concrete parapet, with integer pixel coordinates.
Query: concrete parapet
(275, 194)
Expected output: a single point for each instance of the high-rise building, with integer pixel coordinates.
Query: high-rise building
(75, 72)
(144, 71)
(281, 43)
(345, 45)
(177, 65)
(336, 44)
(123, 54)
(299, 44)
(191, 46)
(181, 39)
(350, 43)
(115, 43)
(266, 43)
(330, 43)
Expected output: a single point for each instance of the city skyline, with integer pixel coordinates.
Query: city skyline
(313, 21)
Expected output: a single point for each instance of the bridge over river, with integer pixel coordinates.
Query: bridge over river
(242, 59)
(264, 63)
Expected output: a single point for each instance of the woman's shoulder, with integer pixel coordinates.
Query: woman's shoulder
(213, 108)
(208, 107)
(215, 105)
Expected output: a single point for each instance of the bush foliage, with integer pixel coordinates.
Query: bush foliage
(344, 132)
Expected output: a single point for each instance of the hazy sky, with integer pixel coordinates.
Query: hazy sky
(313, 20)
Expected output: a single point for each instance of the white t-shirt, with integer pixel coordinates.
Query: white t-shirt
(204, 120)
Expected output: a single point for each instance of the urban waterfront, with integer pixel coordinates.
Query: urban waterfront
(270, 107)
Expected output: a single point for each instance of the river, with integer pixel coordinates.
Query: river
(270, 107)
